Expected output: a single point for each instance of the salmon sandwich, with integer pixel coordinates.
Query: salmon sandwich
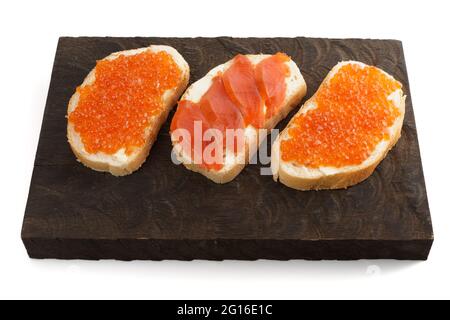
(222, 118)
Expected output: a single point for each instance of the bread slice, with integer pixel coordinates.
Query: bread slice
(304, 178)
(235, 163)
(120, 163)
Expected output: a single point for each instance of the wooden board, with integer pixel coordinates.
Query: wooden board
(164, 211)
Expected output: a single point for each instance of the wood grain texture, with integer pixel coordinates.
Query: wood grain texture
(164, 211)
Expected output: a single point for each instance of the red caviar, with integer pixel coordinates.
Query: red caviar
(352, 116)
(114, 111)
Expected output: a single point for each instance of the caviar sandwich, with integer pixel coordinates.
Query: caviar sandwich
(117, 112)
(343, 132)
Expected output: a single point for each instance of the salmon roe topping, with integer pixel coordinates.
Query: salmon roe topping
(114, 112)
(352, 117)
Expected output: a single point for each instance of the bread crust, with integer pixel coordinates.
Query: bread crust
(226, 175)
(340, 178)
(105, 163)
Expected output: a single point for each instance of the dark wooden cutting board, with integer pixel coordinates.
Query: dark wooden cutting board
(164, 211)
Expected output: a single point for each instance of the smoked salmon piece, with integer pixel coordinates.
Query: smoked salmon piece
(218, 108)
(216, 111)
(270, 75)
(241, 86)
(185, 117)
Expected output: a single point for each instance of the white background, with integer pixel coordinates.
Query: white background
(29, 33)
